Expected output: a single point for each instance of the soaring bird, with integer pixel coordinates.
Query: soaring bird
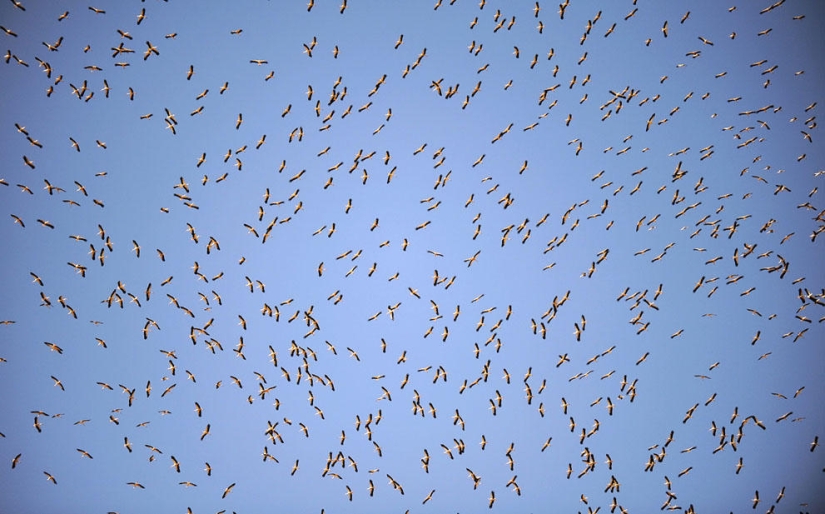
(58, 383)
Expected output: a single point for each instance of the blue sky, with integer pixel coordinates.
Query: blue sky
(617, 156)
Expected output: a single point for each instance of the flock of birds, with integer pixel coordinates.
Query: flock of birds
(295, 304)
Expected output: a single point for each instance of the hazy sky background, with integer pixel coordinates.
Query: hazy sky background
(592, 166)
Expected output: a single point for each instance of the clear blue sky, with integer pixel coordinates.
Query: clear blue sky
(640, 149)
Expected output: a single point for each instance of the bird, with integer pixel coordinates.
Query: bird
(58, 383)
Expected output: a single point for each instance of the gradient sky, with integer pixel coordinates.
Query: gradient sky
(637, 180)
